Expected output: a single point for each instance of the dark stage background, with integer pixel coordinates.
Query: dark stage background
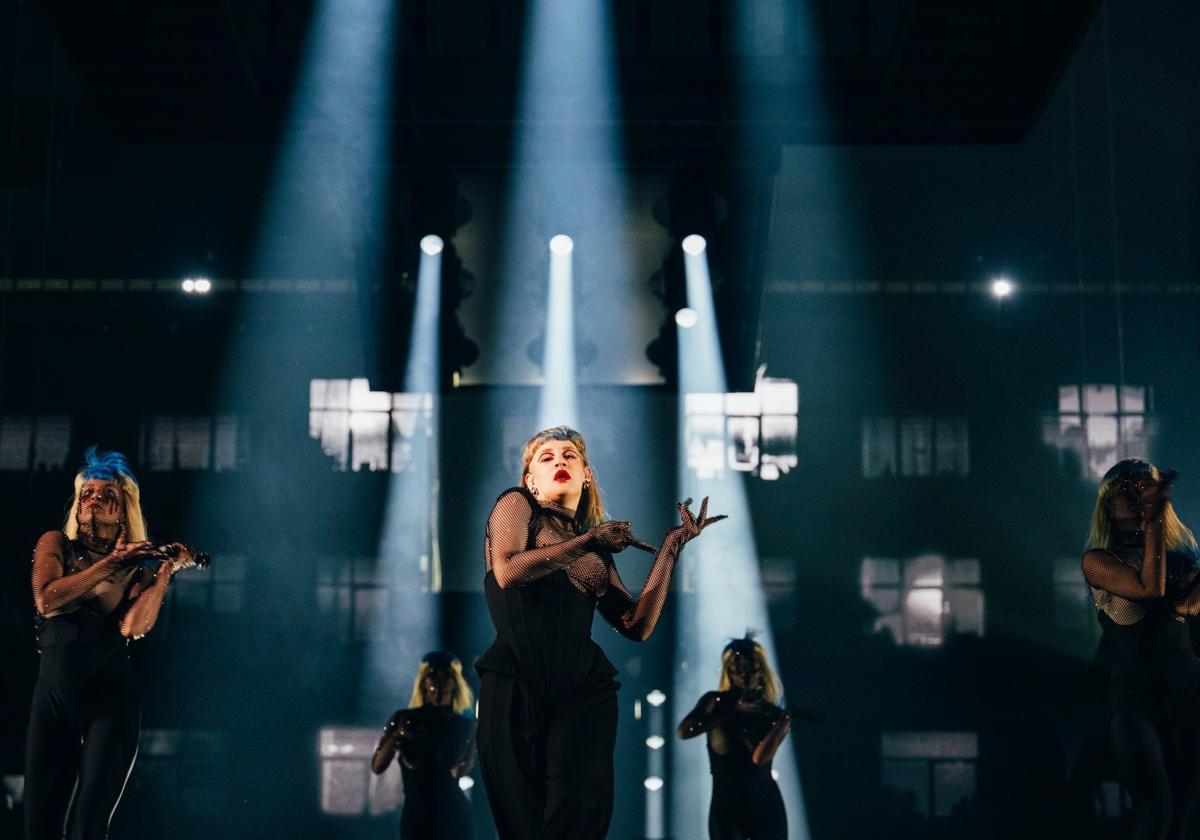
(946, 453)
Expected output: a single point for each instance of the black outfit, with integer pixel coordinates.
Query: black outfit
(434, 805)
(86, 714)
(548, 697)
(1154, 710)
(746, 802)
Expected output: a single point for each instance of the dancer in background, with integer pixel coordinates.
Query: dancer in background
(548, 700)
(434, 740)
(1140, 563)
(96, 584)
(745, 727)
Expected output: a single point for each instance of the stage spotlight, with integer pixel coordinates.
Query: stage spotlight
(188, 285)
(431, 245)
(558, 402)
(466, 783)
(656, 698)
(1002, 287)
(653, 783)
(694, 244)
(655, 742)
(686, 317)
(203, 285)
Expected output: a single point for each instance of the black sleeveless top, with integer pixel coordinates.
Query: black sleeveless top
(544, 628)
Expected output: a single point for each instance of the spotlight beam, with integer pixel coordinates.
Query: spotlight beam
(557, 404)
(724, 567)
(409, 557)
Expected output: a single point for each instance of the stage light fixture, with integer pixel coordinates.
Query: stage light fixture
(1002, 287)
(653, 783)
(656, 698)
(686, 317)
(694, 244)
(203, 285)
(188, 285)
(432, 245)
(655, 742)
(562, 244)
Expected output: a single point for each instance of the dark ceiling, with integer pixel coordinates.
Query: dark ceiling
(883, 71)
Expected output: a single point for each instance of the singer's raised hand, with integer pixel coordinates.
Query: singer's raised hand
(692, 524)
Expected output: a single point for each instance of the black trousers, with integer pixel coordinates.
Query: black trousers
(82, 737)
(1160, 767)
(547, 765)
(741, 811)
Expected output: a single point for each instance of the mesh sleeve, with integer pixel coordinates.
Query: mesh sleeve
(1104, 570)
(506, 546)
(633, 617)
(54, 591)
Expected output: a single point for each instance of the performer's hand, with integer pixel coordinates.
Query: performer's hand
(1149, 497)
(613, 536)
(692, 525)
(184, 559)
(124, 554)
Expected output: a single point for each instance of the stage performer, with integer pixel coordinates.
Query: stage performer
(745, 727)
(1140, 564)
(435, 741)
(97, 584)
(548, 700)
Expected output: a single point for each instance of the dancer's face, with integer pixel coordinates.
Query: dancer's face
(438, 687)
(557, 472)
(101, 508)
(745, 672)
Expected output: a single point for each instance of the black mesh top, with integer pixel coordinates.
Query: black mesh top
(554, 578)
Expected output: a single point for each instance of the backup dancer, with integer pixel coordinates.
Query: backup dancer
(434, 741)
(744, 728)
(97, 584)
(1141, 566)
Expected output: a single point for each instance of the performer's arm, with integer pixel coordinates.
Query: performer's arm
(142, 613)
(635, 618)
(55, 592)
(765, 751)
(1104, 571)
(712, 710)
(386, 748)
(466, 754)
(508, 535)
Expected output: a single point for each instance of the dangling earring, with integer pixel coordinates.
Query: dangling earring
(533, 489)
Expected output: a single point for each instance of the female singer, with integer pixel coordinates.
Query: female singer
(548, 700)
(745, 728)
(1140, 563)
(435, 741)
(96, 584)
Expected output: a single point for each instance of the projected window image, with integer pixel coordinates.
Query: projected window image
(220, 588)
(930, 774)
(915, 446)
(179, 771)
(29, 443)
(361, 429)
(353, 595)
(189, 442)
(923, 600)
(1099, 426)
(348, 787)
(752, 432)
